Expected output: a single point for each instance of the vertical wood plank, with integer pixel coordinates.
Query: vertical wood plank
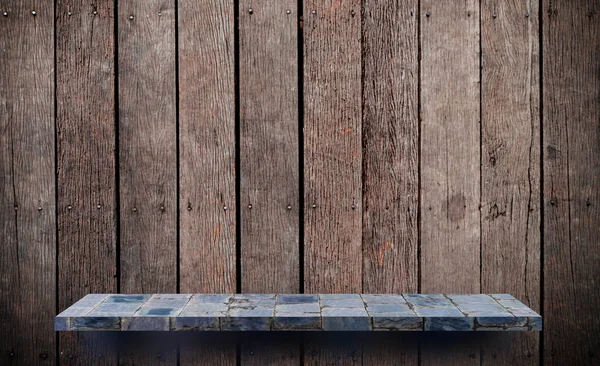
(571, 147)
(87, 205)
(269, 159)
(450, 153)
(332, 158)
(207, 162)
(27, 180)
(148, 157)
(510, 202)
(390, 160)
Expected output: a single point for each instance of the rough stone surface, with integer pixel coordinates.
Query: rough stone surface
(325, 312)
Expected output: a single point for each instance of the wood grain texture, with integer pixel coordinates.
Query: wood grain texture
(87, 206)
(332, 159)
(269, 185)
(207, 161)
(27, 199)
(510, 170)
(269, 146)
(147, 156)
(390, 160)
(571, 146)
(450, 153)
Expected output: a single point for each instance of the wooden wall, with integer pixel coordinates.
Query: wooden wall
(300, 146)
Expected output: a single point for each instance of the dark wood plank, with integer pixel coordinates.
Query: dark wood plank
(450, 153)
(147, 157)
(390, 160)
(510, 170)
(27, 180)
(269, 192)
(571, 147)
(332, 158)
(207, 162)
(87, 206)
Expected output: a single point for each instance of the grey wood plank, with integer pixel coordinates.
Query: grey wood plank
(269, 165)
(87, 206)
(207, 162)
(510, 170)
(147, 158)
(332, 159)
(390, 47)
(27, 183)
(571, 183)
(450, 158)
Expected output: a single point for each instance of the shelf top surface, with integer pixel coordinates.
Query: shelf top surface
(281, 312)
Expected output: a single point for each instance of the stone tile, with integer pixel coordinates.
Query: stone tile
(441, 312)
(428, 300)
(471, 299)
(126, 298)
(503, 297)
(297, 299)
(395, 321)
(339, 297)
(298, 308)
(502, 322)
(205, 308)
(535, 323)
(445, 324)
(62, 323)
(240, 323)
(96, 323)
(388, 308)
(383, 299)
(211, 298)
(255, 312)
(145, 323)
(342, 303)
(150, 311)
(195, 323)
(254, 296)
(287, 321)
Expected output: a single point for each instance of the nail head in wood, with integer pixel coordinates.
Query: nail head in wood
(250, 11)
(314, 205)
(427, 14)
(131, 17)
(162, 208)
(69, 207)
(225, 208)
(250, 206)
(99, 207)
(289, 207)
(527, 15)
(33, 12)
(314, 12)
(39, 208)
(95, 12)
(494, 15)
(288, 11)
(69, 13)
(135, 209)
(5, 13)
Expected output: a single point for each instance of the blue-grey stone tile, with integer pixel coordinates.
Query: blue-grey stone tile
(211, 298)
(383, 299)
(238, 323)
(535, 323)
(428, 300)
(345, 319)
(443, 312)
(337, 312)
(255, 312)
(76, 311)
(500, 329)
(252, 302)
(255, 296)
(298, 308)
(297, 299)
(340, 297)
(91, 300)
(388, 308)
(170, 296)
(62, 323)
(195, 323)
(517, 308)
(115, 309)
(471, 299)
(292, 322)
(205, 308)
(147, 311)
(448, 324)
(393, 321)
(145, 323)
(502, 322)
(503, 296)
(483, 310)
(126, 298)
(342, 303)
(96, 323)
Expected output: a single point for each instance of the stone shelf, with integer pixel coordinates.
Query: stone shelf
(324, 312)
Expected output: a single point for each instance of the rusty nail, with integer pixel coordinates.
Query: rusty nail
(135, 209)
(33, 12)
(427, 14)
(39, 208)
(250, 11)
(250, 206)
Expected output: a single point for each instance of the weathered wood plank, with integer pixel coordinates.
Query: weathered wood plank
(87, 211)
(332, 158)
(147, 156)
(390, 159)
(269, 191)
(510, 170)
(27, 180)
(571, 147)
(207, 161)
(450, 153)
